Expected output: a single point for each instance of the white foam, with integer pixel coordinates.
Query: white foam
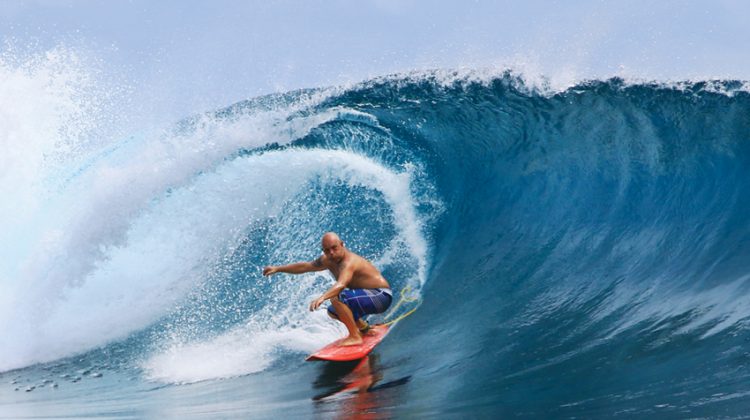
(101, 237)
(247, 349)
(71, 209)
(165, 249)
(250, 348)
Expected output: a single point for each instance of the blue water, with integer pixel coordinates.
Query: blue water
(576, 253)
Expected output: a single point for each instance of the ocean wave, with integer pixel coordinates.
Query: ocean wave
(583, 232)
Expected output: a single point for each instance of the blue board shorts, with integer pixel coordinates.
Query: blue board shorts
(365, 301)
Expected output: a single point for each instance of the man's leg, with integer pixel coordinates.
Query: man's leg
(347, 318)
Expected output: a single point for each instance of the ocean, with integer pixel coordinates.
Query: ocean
(577, 252)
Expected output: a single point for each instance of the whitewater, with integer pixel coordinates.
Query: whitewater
(578, 250)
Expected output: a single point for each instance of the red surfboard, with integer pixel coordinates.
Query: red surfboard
(336, 353)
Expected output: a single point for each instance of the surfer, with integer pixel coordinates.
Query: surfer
(360, 289)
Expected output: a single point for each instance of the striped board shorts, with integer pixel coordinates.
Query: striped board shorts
(365, 301)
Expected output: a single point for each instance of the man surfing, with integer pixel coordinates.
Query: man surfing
(360, 289)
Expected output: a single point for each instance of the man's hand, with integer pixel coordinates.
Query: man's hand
(270, 270)
(316, 303)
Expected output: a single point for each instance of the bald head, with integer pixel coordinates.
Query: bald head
(330, 238)
(333, 246)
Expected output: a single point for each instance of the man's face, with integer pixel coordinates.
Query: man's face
(334, 250)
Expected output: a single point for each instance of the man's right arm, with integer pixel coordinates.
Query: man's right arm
(296, 268)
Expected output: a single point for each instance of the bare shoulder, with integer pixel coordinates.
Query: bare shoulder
(349, 262)
(320, 262)
(358, 261)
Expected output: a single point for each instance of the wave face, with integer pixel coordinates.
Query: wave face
(582, 252)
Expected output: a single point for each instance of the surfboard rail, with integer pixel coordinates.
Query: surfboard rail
(334, 352)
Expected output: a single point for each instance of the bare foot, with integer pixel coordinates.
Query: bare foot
(351, 341)
(370, 332)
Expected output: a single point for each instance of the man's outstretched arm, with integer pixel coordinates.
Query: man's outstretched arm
(296, 268)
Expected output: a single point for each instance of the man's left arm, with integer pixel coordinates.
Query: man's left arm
(345, 276)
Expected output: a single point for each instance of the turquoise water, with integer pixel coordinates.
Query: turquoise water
(574, 253)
